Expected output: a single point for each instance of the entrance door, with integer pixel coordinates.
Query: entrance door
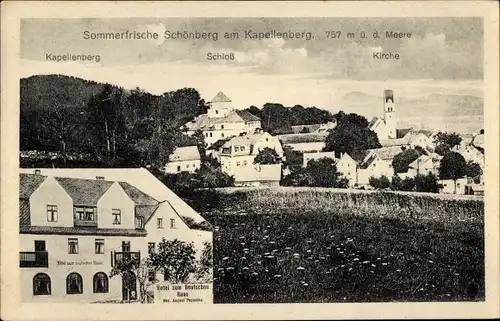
(129, 287)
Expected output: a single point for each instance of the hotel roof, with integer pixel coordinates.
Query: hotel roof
(28, 183)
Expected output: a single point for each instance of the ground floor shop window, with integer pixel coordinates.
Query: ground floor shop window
(100, 283)
(41, 284)
(74, 283)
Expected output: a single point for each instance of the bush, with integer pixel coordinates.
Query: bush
(381, 182)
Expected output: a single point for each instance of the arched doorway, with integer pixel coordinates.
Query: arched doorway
(129, 286)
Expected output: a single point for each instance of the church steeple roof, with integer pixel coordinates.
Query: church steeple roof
(220, 97)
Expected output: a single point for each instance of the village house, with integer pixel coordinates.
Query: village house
(238, 153)
(377, 163)
(258, 175)
(314, 128)
(75, 224)
(345, 164)
(183, 159)
(424, 165)
(222, 121)
(412, 138)
(450, 186)
(470, 152)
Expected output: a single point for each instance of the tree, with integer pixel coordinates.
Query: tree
(351, 138)
(298, 176)
(446, 141)
(267, 156)
(130, 269)
(401, 161)
(381, 182)
(473, 169)
(205, 263)
(201, 144)
(452, 166)
(292, 157)
(323, 172)
(175, 258)
(426, 183)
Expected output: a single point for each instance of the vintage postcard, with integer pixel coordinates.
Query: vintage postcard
(222, 160)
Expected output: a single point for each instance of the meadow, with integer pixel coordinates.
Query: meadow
(281, 244)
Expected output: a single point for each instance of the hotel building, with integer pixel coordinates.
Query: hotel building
(76, 223)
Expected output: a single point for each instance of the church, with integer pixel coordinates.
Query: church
(385, 128)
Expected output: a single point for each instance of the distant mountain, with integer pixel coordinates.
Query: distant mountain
(460, 112)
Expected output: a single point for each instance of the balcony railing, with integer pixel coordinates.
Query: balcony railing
(34, 259)
(119, 256)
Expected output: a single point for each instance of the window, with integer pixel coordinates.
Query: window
(236, 149)
(100, 282)
(238, 163)
(125, 246)
(221, 126)
(117, 216)
(99, 246)
(40, 246)
(178, 168)
(206, 134)
(73, 246)
(41, 284)
(159, 223)
(74, 283)
(85, 213)
(210, 134)
(221, 134)
(139, 222)
(216, 111)
(151, 247)
(52, 213)
(242, 148)
(245, 163)
(172, 223)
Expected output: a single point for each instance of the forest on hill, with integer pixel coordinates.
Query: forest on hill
(101, 124)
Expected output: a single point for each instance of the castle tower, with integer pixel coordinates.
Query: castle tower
(390, 113)
(220, 106)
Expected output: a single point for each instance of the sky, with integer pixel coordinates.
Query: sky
(443, 55)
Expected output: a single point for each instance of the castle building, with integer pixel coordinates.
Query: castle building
(385, 128)
(222, 121)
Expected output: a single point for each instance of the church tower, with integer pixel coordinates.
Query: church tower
(390, 113)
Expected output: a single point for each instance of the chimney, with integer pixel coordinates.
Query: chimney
(99, 177)
(38, 172)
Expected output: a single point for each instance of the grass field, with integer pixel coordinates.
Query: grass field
(320, 245)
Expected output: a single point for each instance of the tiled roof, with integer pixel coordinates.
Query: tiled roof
(184, 154)
(302, 138)
(145, 212)
(138, 196)
(297, 129)
(24, 212)
(395, 142)
(246, 116)
(386, 153)
(426, 132)
(401, 132)
(84, 191)
(204, 122)
(246, 140)
(220, 97)
(218, 144)
(28, 183)
(80, 231)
